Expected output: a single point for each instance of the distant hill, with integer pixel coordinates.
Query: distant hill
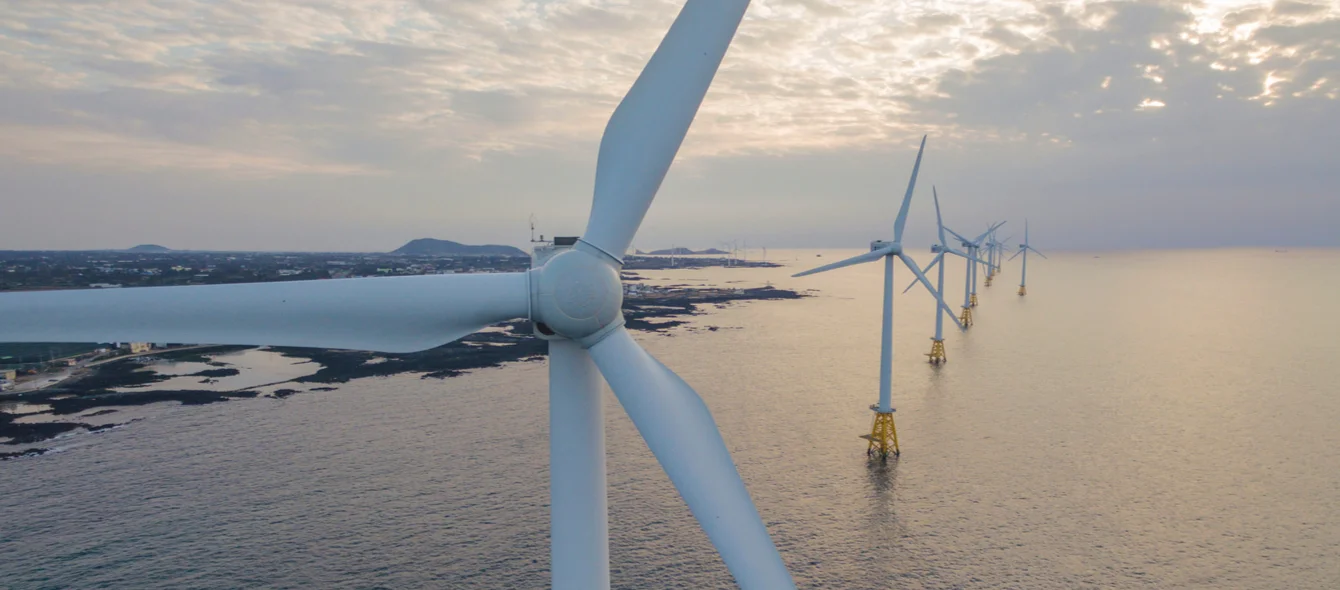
(149, 248)
(685, 252)
(431, 247)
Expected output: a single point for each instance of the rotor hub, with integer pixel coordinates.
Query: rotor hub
(578, 296)
(881, 244)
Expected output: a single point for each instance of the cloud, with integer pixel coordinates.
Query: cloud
(478, 98)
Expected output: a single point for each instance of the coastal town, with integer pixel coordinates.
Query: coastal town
(109, 269)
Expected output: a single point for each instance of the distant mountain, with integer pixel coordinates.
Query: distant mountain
(685, 252)
(674, 251)
(431, 247)
(149, 248)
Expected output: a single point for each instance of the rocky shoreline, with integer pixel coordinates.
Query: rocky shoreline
(505, 343)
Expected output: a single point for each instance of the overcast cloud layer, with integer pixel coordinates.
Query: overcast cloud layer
(358, 125)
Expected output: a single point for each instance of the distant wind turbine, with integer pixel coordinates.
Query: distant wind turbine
(970, 272)
(1024, 247)
(883, 435)
(937, 353)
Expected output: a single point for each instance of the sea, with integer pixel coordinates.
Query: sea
(1142, 419)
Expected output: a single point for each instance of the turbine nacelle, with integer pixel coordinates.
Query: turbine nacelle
(893, 247)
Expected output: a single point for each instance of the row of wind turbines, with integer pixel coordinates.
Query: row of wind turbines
(883, 436)
(573, 297)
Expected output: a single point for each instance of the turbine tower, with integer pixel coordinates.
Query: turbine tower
(573, 298)
(937, 353)
(1024, 247)
(883, 437)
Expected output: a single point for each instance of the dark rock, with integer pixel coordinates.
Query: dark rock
(22, 454)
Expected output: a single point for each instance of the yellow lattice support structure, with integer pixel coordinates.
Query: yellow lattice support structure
(937, 353)
(988, 279)
(883, 436)
(1023, 290)
(966, 317)
(973, 301)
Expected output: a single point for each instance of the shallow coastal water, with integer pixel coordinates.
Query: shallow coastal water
(1139, 420)
(255, 367)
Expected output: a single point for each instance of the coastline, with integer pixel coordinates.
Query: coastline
(103, 389)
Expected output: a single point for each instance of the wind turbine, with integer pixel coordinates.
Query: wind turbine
(995, 251)
(573, 298)
(1024, 247)
(970, 271)
(883, 435)
(937, 353)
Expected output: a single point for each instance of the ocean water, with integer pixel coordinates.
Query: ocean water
(1139, 420)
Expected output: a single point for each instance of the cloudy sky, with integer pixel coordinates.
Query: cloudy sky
(360, 124)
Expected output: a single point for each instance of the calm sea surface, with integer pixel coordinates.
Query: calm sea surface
(1139, 420)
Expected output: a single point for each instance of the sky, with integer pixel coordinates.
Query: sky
(357, 125)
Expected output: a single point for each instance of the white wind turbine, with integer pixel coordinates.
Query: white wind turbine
(1024, 247)
(937, 353)
(1000, 254)
(883, 436)
(970, 272)
(574, 298)
(992, 262)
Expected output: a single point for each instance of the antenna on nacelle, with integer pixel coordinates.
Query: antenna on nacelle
(532, 232)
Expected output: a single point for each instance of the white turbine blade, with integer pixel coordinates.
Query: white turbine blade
(939, 298)
(578, 518)
(987, 232)
(387, 314)
(680, 431)
(962, 254)
(1035, 251)
(870, 256)
(956, 234)
(934, 261)
(646, 129)
(907, 198)
(939, 222)
(1016, 254)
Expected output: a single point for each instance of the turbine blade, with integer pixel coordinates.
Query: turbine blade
(387, 314)
(1017, 253)
(1035, 251)
(907, 198)
(934, 261)
(680, 431)
(939, 222)
(921, 277)
(956, 234)
(645, 131)
(987, 232)
(867, 257)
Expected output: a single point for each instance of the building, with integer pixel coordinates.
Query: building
(138, 347)
(9, 375)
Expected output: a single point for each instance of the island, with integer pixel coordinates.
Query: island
(433, 247)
